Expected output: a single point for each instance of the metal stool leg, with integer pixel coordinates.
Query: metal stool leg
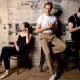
(79, 59)
(18, 64)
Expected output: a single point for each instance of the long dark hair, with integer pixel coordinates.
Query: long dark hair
(27, 25)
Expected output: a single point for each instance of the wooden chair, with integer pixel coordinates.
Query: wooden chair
(18, 58)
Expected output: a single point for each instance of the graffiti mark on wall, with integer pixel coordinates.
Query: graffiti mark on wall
(33, 4)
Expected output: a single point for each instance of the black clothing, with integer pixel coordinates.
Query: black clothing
(9, 51)
(76, 23)
(22, 43)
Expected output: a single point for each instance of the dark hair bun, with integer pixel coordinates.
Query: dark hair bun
(27, 25)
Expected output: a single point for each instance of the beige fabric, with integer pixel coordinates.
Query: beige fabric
(46, 38)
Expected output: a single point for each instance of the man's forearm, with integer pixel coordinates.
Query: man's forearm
(74, 29)
(39, 30)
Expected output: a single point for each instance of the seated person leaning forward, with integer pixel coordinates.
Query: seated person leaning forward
(20, 45)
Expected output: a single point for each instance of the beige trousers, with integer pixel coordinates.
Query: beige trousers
(59, 46)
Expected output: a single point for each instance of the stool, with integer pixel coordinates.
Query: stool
(42, 60)
(72, 52)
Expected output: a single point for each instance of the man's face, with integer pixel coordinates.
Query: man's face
(47, 9)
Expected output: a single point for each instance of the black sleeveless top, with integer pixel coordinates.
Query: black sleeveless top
(22, 43)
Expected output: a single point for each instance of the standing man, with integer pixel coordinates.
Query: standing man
(45, 25)
(74, 26)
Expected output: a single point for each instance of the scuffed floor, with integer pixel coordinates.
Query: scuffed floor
(35, 74)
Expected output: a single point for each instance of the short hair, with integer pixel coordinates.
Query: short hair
(79, 9)
(48, 3)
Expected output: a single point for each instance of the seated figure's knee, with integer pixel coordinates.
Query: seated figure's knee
(63, 47)
(4, 48)
(60, 48)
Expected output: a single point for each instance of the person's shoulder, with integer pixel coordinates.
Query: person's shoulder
(72, 16)
(75, 15)
(40, 17)
(54, 17)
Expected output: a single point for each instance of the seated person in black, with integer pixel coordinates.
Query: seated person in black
(74, 27)
(20, 45)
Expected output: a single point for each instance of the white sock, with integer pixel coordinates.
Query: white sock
(7, 71)
(53, 77)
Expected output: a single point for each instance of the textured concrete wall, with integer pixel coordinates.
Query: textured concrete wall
(3, 23)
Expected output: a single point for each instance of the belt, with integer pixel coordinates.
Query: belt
(46, 33)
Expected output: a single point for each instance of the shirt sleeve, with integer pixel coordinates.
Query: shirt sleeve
(71, 19)
(39, 21)
(55, 20)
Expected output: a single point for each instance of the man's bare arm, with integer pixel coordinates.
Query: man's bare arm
(71, 29)
(46, 27)
(38, 28)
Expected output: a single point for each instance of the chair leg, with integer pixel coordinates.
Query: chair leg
(42, 60)
(79, 60)
(79, 64)
(67, 63)
(18, 65)
(41, 64)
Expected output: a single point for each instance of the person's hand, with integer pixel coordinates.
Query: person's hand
(48, 26)
(17, 48)
(26, 30)
(79, 27)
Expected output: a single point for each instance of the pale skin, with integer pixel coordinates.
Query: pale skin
(47, 10)
(23, 33)
(70, 25)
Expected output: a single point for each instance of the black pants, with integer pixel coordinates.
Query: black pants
(6, 53)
